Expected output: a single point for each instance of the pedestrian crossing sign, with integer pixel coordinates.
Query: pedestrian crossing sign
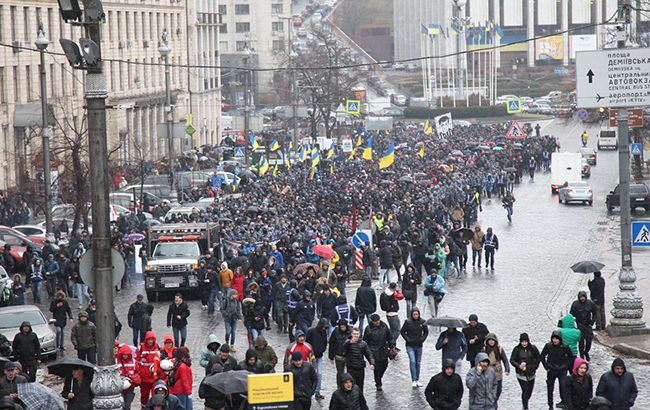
(636, 148)
(240, 152)
(353, 107)
(513, 105)
(640, 233)
(515, 131)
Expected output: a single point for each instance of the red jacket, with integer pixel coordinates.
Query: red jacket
(128, 367)
(238, 285)
(147, 356)
(183, 380)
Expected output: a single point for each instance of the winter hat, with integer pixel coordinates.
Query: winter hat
(342, 321)
(299, 333)
(524, 336)
(374, 317)
(447, 363)
(83, 313)
(224, 348)
(295, 356)
(473, 317)
(393, 285)
(492, 336)
(9, 366)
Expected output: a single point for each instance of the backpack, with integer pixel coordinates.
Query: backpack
(5, 346)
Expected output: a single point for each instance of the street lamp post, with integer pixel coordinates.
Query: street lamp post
(41, 43)
(460, 74)
(294, 99)
(169, 114)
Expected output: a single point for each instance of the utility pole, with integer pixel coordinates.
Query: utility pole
(628, 305)
(164, 51)
(41, 43)
(460, 20)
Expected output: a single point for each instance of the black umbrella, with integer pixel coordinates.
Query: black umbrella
(587, 267)
(65, 366)
(253, 209)
(447, 321)
(235, 381)
(465, 232)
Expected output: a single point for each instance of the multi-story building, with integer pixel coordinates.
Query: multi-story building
(253, 35)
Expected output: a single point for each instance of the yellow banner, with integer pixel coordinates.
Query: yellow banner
(270, 388)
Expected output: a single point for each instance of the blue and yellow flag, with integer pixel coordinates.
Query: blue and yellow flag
(315, 157)
(359, 141)
(428, 128)
(421, 152)
(290, 146)
(302, 154)
(388, 158)
(352, 154)
(287, 160)
(498, 32)
(330, 153)
(433, 29)
(367, 151)
(263, 166)
(276, 170)
(274, 145)
(253, 142)
(331, 168)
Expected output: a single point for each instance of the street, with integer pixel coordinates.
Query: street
(531, 288)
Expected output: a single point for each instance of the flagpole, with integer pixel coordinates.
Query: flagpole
(495, 66)
(429, 40)
(424, 76)
(474, 76)
(480, 55)
(439, 65)
(434, 65)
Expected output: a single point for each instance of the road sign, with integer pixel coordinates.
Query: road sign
(240, 152)
(634, 117)
(515, 131)
(613, 78)
(636, 148)
(346, 145)
(361, 237)
(640, 233)
(514, 105)
(560, 70)
(353, 107)
(582, 115)
(275, 388)
(86, 268)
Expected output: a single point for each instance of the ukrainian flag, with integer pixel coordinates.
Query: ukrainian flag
(428, 129)
(290, 146)
(276, 170)
(287, 160)
(367, 152)
(498, 32)
(263, 166)
(302, 154)
(274, 145)
(315, 157)
(253, 142)
(388, 158)
(359, 141)
(421, 153)
(352, 154)
(433, 29)
(330, 153)
(454, 28)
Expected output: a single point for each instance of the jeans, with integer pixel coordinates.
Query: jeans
(499, 388)
(82, 291)
(510, 211)
(179, 333)
(489, 258)
(254, 333)
(186, 400)
(362, 318)
(415, 358)
(384, 276)
(410, 304)
(231, 331)
(526, 391)
(477, 255)
(601, 322)
(128, 397)
(393, 324)
(459, 366)
(60, 337)
(214, 293)
(551, 375)
(36, 289)
(138, 336)
(319, 374)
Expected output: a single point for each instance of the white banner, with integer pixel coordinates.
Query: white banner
(444, 123)
(585, 42)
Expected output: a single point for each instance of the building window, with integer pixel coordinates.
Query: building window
(51, 81)
(127, 24)
(27, 32)
(119, 25)
(2, 21)
(63, 81)
(223, 46)
(3, 95)
(16, 89)
(13, 22)
(135, 26)
(28, 82)
(276, 8)
(152, 27)
(242, 27)
(50, 21)
(109, 25)
(223, 10)
(278, 45)
(142, 22)
(241, 9)
(277, 26)
(223, 29)
(242, 45)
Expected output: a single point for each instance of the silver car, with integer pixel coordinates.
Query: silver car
(11, 317)
(575, 192)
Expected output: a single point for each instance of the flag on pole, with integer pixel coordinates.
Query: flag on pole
(367, 152)
(287, 160)
(359, 141)
(389, 157)
(275, 170)
(263, 165)
(290, 146)
(253, 142)
(302, 155)
(424, 29)
(433, 29)
(331, 168)
(498, 32)
(421, 153)
(311, 173)
(274, 145)
(454, 28)
(315, 157)
(330, 153)
(352, 154)
(428, 128)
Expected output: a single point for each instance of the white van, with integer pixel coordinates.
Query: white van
(607, 138)
(565, 167)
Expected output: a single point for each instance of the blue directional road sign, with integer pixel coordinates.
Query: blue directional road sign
(514, 106)
(636, 148)
(582, 115)
(353, 107)
(640, 233)
(240, 152)
(360, 238)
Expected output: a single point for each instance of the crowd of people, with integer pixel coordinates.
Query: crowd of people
(268, 270)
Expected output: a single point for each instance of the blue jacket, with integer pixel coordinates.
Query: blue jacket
(438, 286)
(456, 346)
(51, 267)
(279, 259)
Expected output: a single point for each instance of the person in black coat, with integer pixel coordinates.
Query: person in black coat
(61, 312)
(135, 318)
(415, 332)
(76, 389)
(556, 357)
(597, 291)
(317, 338)
(365, 301)
(348, 396)
(356, 352)
(377, 335)
(177, 315)
(251, 363)
(335, 350)
(578, 387)
(445, 389)
(584, 310)
(525, 359)
(27, 350)
(304, 381)
(475, 335)
(618, 386)
(410, 284)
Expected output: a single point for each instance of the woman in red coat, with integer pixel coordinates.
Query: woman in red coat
(238, 283)
(179, 379)
(129, 370)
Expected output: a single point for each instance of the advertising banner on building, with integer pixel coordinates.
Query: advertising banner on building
(549, 48)
(585, 42)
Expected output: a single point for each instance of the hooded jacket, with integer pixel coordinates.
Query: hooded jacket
(317, 337)
(456, 346)
(304, 348)
(445, 392)
(84, 335)
(209, 351)
(165, 352)
(304, 379)
(529, 355)
(326, 304)
(83, 395)
(621, 391)
(556, 357)
(577, 392)
(182, 374)
(480, 331)
(366, 300)
(414, 331)
(388, 302)
(171, 401)
(410, 283)
(337, 339)
(348, 399)
(482, 387)
(584, 312)
(231, 306)
(570, 335)
(256, 368)
(379, 340)
(498, 359)
(147, 356)
(128, 367)
(26, 347)
(266, 355)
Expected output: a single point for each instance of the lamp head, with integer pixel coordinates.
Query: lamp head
(41, 41)
(164, 49)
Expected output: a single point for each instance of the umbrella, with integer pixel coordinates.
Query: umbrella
(457, 153)
(38, 396)
(405, 178)
(224, 220)
(587, 267)
(483, 147)
(497, 148)
(324, 251)
(148, 222)
(234, 381)
(135, 237)
(248, 173)
(447, 321)
(302, 268)
(517, 145)
(510, 169)
(64, 367)
(386, 182)
(253, 209)
(465, 232)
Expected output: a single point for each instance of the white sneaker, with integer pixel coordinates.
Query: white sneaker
(418, 383)
(415, 385)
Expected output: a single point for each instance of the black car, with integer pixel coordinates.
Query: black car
(639, 197)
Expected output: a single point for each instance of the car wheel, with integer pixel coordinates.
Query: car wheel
(151, 296)
(598, 146)
(610, 208)
(590, 203)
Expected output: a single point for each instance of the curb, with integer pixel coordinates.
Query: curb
(632, 351)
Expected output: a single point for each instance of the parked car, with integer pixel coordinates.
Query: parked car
(539, 107)
(32, 230)
(301, 32)
(11, 236)
(11, 317)
(589, 154)
(639, 197)
(575, 191)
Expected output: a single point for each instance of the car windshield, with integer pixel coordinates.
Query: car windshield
(177, 249)
(578, 185)
(587, 151)
(607, 134)
(14, 319)
(638, 189)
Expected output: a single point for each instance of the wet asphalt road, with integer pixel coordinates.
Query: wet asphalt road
(531, 288)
